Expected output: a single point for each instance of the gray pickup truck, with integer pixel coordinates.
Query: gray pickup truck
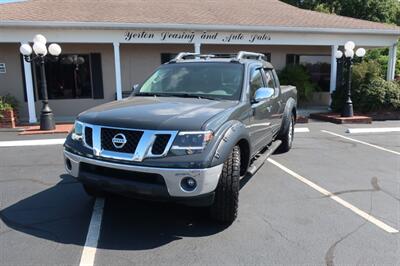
(189, 133)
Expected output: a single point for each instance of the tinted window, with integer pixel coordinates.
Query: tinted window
(217, 80)
(70, 77)
(269, 79)
(256, 82)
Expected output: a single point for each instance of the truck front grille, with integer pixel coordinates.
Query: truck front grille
(127, 144)
(132, 139)
(89, 136)
(160, 143)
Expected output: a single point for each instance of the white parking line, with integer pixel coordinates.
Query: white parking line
(373, 130)
(92, 238)
(35, 142)
(362, 142)
(301, 130)
(339, 200)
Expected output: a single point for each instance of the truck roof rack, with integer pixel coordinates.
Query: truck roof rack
(183, 55)
(244, 55)
(235, 57)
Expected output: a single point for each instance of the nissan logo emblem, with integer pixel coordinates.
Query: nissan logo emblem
(119, 140)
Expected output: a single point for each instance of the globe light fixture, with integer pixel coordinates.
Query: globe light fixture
(39, 38)
(339, 54)
(54, 49)
(40, 48)
(360, 52)
(25, 49)
(349, 53)
(347, 58)
(349, 45)
(37, 53)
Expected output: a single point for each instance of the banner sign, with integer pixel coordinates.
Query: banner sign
(194, 36)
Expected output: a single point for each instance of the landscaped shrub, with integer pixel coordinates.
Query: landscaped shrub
(392, 95)
(298, 76)
(7, 102)
(371, 96)
(11, 100)
(370, 91)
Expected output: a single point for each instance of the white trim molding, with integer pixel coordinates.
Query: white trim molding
(30, 98)
(392, 62)
(192, 36)
(332, 86)
(117, 60)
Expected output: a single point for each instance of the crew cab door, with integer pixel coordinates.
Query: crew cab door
(260, 126)
(276, 105)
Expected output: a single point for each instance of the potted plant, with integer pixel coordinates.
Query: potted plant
(8, 111)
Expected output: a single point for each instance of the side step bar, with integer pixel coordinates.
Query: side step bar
(262, 157)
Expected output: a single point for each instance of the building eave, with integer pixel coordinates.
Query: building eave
(254, 28)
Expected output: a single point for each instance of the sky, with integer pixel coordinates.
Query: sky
(9, 1)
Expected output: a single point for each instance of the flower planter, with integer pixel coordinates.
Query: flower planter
(8, 119)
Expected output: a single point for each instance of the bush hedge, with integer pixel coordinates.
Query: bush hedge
(370, 91)
(297, 75)
(8, 102)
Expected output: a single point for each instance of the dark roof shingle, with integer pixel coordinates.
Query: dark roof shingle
(272, 13)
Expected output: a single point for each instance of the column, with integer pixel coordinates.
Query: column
(197, 47)
(30, 98)
(117, 60)
(332, 86)
(392, 62)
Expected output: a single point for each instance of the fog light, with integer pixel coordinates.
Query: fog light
(188, 184)
(68, 164)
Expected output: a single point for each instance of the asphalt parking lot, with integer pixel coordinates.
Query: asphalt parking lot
(334, 199)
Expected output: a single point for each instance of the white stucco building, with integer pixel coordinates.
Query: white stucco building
(122, 42)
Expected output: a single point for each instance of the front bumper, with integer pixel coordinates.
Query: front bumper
(206, 179)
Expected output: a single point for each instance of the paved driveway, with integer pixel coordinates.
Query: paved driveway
(333, 200)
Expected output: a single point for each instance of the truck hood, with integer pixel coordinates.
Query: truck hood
(157, 113)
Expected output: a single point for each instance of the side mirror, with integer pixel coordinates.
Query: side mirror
(263, 93)
(135, 89)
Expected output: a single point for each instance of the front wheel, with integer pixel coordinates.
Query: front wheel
(287, 136)
(225, 206)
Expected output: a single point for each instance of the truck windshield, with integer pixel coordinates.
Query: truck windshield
(204, 80)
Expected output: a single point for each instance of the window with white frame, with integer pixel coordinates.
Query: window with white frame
(3, 68)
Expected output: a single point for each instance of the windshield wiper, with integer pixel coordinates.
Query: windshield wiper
(183, 95)
(188, 95)
(158, 94)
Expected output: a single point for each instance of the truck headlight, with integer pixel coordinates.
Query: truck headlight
(190, 142)
(77, 131)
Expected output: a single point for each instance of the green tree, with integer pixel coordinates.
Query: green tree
(387, 11)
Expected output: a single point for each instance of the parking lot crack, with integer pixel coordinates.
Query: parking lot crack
(279, 232)
(330, 254)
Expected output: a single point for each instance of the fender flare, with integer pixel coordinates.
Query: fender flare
(290, 106)
(233, 132)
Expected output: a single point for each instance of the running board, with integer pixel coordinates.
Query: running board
(262, 157)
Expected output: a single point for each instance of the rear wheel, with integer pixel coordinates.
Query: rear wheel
(287, 136)
(93, 191)
(225, 206)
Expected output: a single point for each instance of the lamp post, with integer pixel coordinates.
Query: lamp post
(347, 58)
(38, 56)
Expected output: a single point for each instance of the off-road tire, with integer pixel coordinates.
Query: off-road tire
(287, 136)
(93, 191)
(225, 207)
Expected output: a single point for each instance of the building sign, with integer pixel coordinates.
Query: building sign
(196, 37)
(3, 68)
